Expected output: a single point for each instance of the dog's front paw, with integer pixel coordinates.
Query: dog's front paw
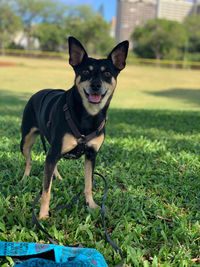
(92, 205)
(43, 216)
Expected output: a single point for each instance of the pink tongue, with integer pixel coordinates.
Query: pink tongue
(95, 98)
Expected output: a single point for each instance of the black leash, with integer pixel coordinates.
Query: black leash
(103, 213)
(73, 202)
(65, 206)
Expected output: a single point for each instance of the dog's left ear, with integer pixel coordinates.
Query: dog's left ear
(118, 55)
(76, 52)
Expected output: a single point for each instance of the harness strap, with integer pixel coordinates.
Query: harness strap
(71, 123)
(81, 138)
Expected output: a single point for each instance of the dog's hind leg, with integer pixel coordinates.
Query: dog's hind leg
(26, 145)
(29, 130)
(57, 174)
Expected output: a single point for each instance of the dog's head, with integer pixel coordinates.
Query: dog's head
(96, 79)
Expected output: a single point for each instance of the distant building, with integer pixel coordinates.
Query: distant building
(131, 13)
(176, 10)
(22, 40)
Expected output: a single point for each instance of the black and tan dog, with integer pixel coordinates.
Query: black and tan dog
(73, 121)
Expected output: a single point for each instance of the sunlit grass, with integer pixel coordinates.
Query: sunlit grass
(138, 86)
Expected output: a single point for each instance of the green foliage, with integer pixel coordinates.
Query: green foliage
(90, 28)
(101, 10)
(192, 26)
(160, 39)
(164, 39)
(193, 57)
(52, 22)
(33, 11)
(9, 24)
(50, 36)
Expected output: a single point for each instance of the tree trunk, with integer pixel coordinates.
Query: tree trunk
(158, 57)
(2, 47)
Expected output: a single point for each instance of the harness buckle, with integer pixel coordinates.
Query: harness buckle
(82, 139)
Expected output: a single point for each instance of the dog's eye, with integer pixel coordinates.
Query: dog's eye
(107, 73)
(85, 72)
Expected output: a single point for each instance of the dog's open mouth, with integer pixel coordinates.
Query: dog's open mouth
(94, 98)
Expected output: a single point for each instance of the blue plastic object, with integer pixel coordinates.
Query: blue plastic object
(63, 256)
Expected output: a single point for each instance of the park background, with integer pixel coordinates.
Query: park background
(151, 153)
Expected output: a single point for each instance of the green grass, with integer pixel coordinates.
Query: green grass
(150, 159)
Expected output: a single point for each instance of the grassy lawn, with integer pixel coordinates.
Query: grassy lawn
(150, 158)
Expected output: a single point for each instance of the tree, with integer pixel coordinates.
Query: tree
(36, 11)
(159, 39)
(50, 35)
(101, 10)
(90, 28)
(192, 27)
(52, 22)
(50, 31)
(9, 24)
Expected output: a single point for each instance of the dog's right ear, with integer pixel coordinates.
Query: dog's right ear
(76, 52)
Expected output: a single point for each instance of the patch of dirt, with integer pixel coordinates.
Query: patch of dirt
(7, 64)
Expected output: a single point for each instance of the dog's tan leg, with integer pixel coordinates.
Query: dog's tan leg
(93, 148)
(47, 183)
(88, 184)
(29, 140)
(44, 208)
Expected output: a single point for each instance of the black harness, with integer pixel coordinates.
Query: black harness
(79, 150)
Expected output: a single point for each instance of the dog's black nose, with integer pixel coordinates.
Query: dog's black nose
(96, 86)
